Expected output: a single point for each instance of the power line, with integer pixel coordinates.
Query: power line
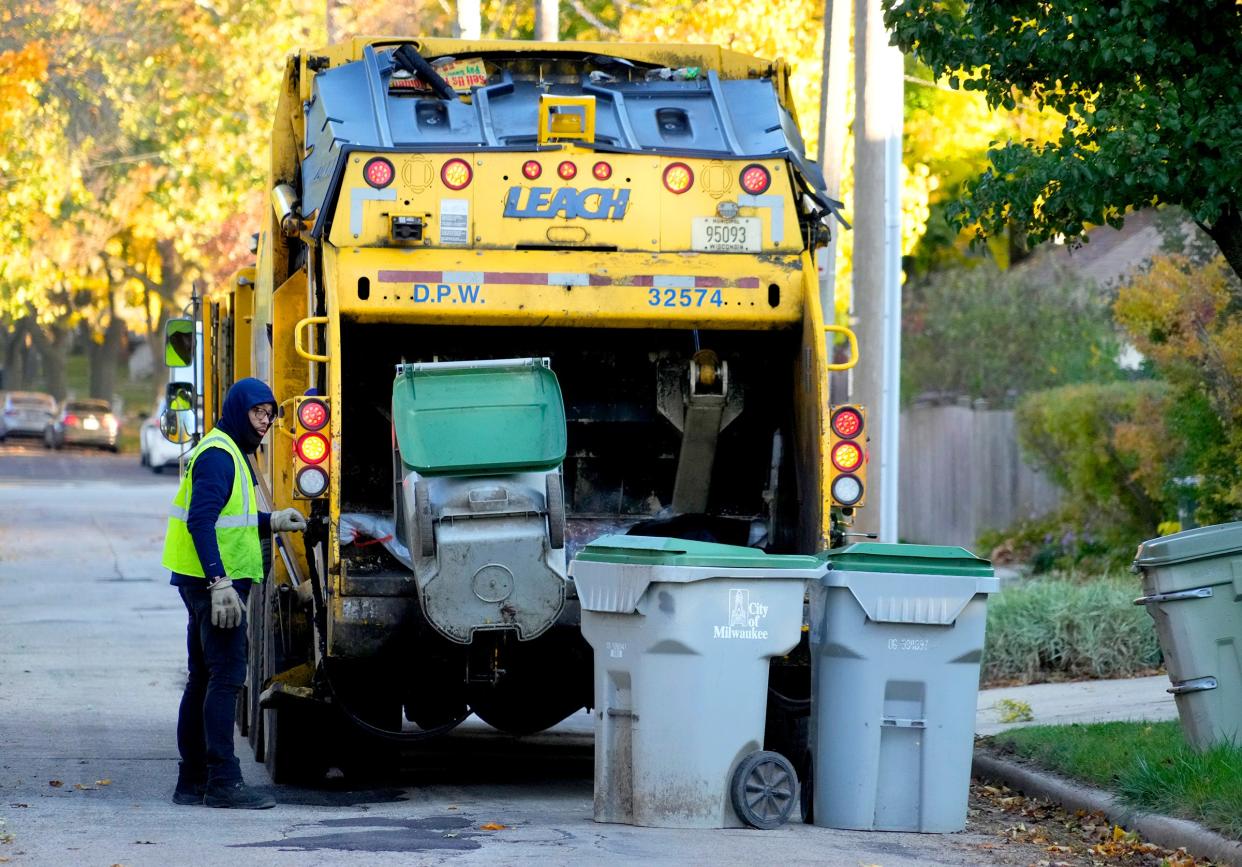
(89, 167)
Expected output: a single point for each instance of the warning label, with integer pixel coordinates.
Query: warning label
(454, 221)
(745, 618)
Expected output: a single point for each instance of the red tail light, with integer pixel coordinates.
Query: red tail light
(378, 172)
(847, 422)
(313, 414)
(531, 169)
(755, 179)
(567, 170)
(71, 419)
(602, 171)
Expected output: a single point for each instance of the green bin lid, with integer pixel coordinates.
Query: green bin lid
(481, 418)
(908, 559)
(1196, 544)
(662, 551)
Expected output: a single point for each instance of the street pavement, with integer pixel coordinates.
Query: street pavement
(91, 670)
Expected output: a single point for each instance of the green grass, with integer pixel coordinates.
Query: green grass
(1049, 628)
(1148, 765)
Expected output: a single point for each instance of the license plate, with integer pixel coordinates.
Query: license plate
(716, 235)
(90, 424)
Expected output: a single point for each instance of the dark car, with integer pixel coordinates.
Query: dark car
(26, 413)
(83, 422)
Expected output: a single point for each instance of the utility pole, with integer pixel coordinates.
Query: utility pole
(469, 19)
(878, 81)
(833, 134)
(547, 20)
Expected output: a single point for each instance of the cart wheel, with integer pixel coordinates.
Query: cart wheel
(555, 502)
(763, 790)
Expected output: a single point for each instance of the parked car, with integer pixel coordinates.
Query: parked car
(153, 450)
(26, 413)
(87, 422)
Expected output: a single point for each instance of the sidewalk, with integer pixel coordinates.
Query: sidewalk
(1140, 698)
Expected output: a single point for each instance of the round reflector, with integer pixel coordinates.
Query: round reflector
(678, 178)
(755, 179)
(846, 490)
(378, 172)
(313, 414)
(847, 456)
(847, 422)
(602, 171)
(312, 481)
(531, 169)
(456, 174)
(312, 447)
(567, 170)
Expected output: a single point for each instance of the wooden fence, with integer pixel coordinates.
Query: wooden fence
(962, 473)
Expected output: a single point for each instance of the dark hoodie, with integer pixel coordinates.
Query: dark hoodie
(213, 478)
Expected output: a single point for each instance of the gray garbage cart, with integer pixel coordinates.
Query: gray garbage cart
(683, 633)
(896, 640)
(1192, 586)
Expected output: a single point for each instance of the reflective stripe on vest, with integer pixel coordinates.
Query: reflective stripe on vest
(240, 553)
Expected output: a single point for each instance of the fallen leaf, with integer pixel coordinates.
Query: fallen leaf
(492, 826)
(55, 784)
(103, 782)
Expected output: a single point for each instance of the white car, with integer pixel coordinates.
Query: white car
(25, 413)
(156, 452)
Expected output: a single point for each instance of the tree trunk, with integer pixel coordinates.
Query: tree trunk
(18, 366)
(52, 343)
(105, 355)
(1227, 233)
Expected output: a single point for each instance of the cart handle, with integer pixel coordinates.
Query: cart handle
(1197, 593)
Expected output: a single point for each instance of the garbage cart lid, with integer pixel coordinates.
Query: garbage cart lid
(473, 418)
(1196, 544)
(908, 559)
(662, 551)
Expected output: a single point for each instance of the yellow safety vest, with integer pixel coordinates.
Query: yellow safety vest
(236, 528)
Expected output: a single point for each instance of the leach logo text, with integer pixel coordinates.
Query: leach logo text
(595, 203)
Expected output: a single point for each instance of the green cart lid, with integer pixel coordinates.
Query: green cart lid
(661, 551)
(908, 559)
(479, 418)
(1193, 544)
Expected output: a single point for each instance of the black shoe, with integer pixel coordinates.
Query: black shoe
(237, 796)
(189, 794)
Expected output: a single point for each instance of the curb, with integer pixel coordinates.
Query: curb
(1153, 827)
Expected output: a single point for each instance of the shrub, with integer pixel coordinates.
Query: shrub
(1054, 627)
(982, 332)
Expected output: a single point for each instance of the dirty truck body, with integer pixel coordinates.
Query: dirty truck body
(512, 296)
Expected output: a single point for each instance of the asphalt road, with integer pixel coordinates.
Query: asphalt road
(91, 669)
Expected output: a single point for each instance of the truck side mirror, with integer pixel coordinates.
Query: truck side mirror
(178, 422)
(179, 342)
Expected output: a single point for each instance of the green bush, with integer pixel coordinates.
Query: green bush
(982, 332)
(1097, 442)
(1054, 627)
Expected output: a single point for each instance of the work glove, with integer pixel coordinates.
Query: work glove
(288, 521)
(226, 606)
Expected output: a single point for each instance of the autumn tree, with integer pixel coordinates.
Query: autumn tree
(1150, 92)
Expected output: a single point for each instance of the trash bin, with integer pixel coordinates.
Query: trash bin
(1192, 586)
(683, 633)
(896, 639)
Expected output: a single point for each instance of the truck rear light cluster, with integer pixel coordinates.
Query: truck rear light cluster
(312, 447)
(847, 451)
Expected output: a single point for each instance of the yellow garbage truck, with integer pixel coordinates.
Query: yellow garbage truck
(512, 296)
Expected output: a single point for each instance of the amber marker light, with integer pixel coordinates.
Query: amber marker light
(312, 448)
(456, 174)
(678, 178)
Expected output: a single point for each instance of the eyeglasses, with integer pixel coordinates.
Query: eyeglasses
(260, 414)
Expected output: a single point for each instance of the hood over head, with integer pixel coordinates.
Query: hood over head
(235, 414)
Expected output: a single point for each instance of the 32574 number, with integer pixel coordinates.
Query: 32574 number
(684, 298)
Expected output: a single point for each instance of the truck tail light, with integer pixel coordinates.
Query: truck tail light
(312, 448)
(378, 172)
(755, 179)
(847, 454)
(456, 174)
(678, 177)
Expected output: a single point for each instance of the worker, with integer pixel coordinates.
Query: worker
(212, 547)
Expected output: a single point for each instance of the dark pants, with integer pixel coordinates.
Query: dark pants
(217, 670)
